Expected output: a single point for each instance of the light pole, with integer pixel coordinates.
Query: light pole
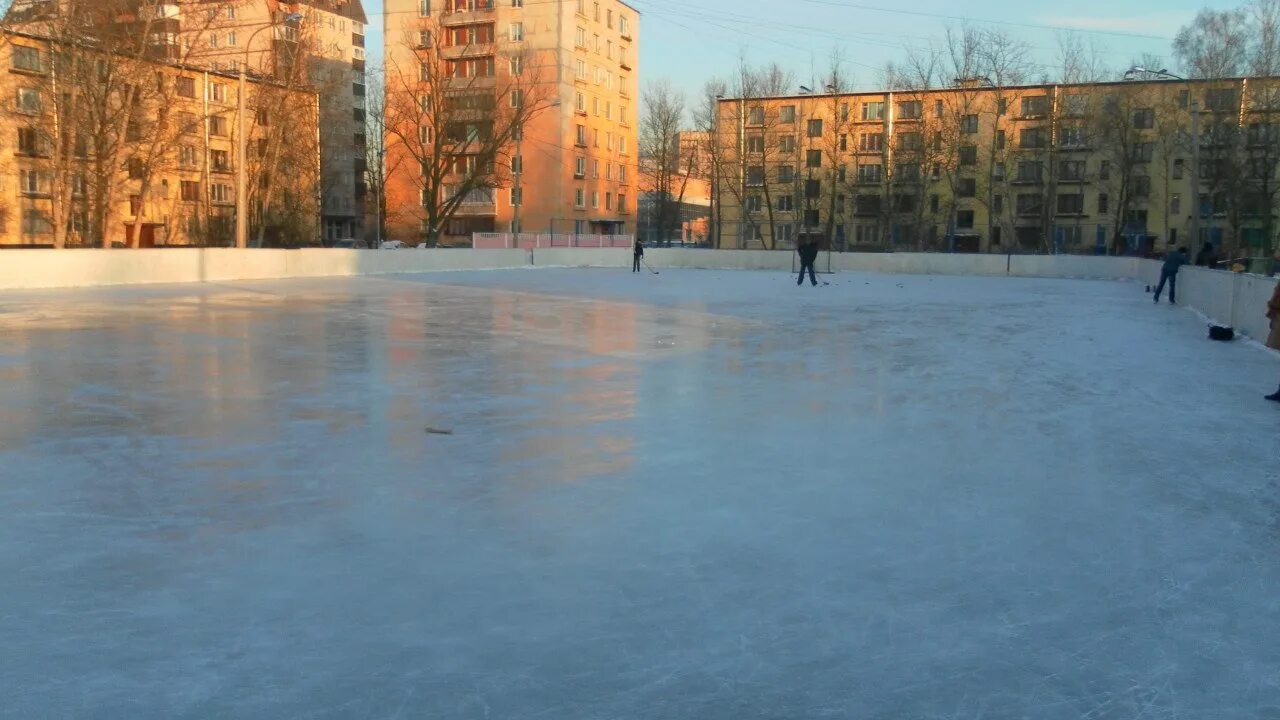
(242, 142)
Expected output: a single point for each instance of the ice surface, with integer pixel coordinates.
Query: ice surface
(702, 495)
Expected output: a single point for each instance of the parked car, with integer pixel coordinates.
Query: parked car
(350, 244)
(392, 245)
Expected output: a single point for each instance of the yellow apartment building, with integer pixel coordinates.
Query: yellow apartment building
(166, 175)
(572, 168)
(1117, 167)
(266, 38)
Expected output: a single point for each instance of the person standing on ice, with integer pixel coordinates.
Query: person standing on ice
(637, 254)
(1173, 262)
(808, 251)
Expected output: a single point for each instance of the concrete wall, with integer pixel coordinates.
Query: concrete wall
(79, 268)
(85, 268)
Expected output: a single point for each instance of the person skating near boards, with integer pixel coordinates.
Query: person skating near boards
(808, 251)
(637, 254)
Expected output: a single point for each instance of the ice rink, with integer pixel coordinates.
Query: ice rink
(694, 496)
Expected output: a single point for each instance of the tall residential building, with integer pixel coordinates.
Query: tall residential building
(574, 163)
(266, 38)
(1113, 167)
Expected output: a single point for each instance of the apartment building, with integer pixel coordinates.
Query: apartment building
(330, 36)
(1119, 167)
(267, 38)
(572, 167)
(166, 175)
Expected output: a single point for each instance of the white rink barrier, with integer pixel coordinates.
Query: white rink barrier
(20, 269)
(1238, 300)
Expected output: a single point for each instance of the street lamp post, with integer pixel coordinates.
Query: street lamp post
(242, 142)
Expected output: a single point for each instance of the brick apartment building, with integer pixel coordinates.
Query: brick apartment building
(575, 162)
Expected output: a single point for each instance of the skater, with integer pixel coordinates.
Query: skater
(1207, 257)
(1273, 339)
(637, 254)
(808, 251)
(1169, 274)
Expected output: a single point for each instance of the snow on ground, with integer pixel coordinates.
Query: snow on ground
(696, 495)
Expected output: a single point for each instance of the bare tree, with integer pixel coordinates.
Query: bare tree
(455, 117)
(762, 152)
(1214, 45)
(662, 159)
(380, 165)
(1080, 59)
(706, 119)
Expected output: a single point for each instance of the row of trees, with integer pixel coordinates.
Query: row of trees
(958, 152)
(107, 117)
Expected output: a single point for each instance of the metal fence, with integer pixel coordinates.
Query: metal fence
(533, 241)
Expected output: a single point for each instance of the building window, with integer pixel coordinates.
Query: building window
(1070, 204)
(1030, 171)
(516, 197)
(755, 115)
(1104, 170)
(218, 126)
(997, 204)
(910, 141)
(755, 143)
(1035, 106)
(1220, 100)
(516, 32)
(786, 233)
(786, 174)
(968, 155)
(579, 198)
(1175, 204)
(1178, 169)
(1072, 137)
(937, 108)
(516, 65)
(872, 111)
(753, 203)
(1144, 119)
(622, 202)
(870, 173)
(755, 175)
(186, 87)
(813, 158)
(220, 160)
(1104, 204)
(871, 142)
(221, 193)
(787, 113)
(33, 182)
(787, 143)
(595, 168)
(786, 203)
(28, 101)
(1033, 138)
(26, 58)
(517, 98)
(815, 128)
(36, 222)
(580, 70)
(1030, 204)
(910, 110)
(190, 191)
(580, 139)
(969, 124)
(29, 142)
(964, 219)
(1071, 170)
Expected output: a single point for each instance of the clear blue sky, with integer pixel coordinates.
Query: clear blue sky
(691, 42)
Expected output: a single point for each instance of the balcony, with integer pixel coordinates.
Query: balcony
(467, 17)
(624, 63)
(458, 52)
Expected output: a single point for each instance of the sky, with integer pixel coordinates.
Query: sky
(689, 43)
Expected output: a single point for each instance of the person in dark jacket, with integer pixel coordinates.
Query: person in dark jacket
(637, 253)
(808, 251)
(1173, 262)
(1207, 257)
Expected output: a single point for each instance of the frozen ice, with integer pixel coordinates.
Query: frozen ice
(702, 495)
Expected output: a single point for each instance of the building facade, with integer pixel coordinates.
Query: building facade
(571, 168)
(311, 50)
(164, 175)
(1124, 167)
